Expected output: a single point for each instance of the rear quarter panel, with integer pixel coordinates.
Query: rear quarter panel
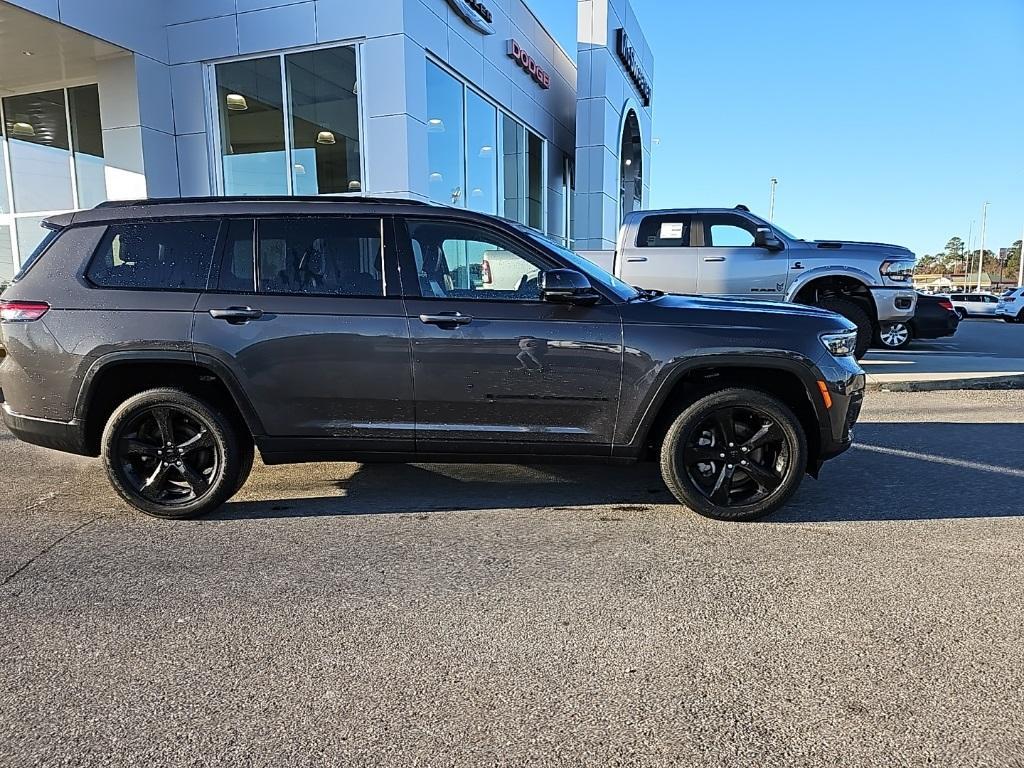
(47, 360)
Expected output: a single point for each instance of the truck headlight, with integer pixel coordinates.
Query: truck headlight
(900, 271)
(840, 344)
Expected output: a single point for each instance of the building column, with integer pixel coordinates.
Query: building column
(138, 128)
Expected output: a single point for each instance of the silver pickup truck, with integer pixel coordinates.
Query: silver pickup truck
(731, 252)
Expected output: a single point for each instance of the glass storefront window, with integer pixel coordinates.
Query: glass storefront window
(30, 233)
(445, 131)
(87, 143)
(251, 107)
(535, 181)
(513, 152)
(5, 204)
(324, 121)
(37, 134)
(6, 255)
(481, 154)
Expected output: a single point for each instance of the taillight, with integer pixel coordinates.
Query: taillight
(22, 311)
(946, 305)
(485, 271)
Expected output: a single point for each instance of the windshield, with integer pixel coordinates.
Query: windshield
(784, 233)
(622, 289)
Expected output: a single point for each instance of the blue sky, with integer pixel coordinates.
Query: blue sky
(890, 120)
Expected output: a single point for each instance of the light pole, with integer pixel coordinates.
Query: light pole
(771, 204)
(981, 254)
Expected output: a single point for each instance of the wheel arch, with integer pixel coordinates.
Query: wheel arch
(791, 381)
(846, 282)
(113, 378)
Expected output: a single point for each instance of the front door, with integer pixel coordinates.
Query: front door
(731, 265)
(495, 369)
(308, 316)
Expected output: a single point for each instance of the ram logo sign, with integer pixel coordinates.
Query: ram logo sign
(474, 13)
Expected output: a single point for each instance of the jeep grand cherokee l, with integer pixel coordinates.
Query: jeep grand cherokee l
(173, 337)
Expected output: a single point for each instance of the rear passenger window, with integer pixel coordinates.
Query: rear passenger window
(321, 256)
(167, 255)
(238, 269)
(664, 232)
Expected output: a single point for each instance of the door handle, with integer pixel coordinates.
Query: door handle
(236, 315)
(446, 318)
(714, 258)
(636, 258)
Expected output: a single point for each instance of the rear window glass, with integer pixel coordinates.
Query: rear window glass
(49, 237)
(172, 255)
(664, 232)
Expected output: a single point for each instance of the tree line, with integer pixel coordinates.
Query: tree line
(956, 259)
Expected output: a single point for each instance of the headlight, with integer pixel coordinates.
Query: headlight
(841, 344)
(900, 271)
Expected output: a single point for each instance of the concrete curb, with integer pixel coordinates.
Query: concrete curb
(1015, 381)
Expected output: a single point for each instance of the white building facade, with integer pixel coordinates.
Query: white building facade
(462, 102)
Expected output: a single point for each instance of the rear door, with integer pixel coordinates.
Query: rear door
(662, 257)
(497, 370)
(308, 316)
(731, 265)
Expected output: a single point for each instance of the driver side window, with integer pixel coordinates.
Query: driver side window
(727, 231)
(464, 262)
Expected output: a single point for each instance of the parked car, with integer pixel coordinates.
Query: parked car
(732, 252)
(977, 304)
(934, 318)
(1010, 306)
(169, 337)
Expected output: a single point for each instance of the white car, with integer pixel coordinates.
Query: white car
(977, 304)
(1011, 306)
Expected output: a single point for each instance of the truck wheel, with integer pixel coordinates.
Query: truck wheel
(738, 454)
(170, 455)
(856, 314)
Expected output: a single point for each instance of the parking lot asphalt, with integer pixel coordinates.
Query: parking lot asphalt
(981, 352)
(465, 615)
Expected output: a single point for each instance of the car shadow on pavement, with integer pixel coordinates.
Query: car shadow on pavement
(896, 471)
(373, 489)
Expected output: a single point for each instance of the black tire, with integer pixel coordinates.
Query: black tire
(896, 336)
(248, 451)
(695, 471)
(857, 315)
(170, 455)
(961, 313)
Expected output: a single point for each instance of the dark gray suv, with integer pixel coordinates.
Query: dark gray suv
(173, 337)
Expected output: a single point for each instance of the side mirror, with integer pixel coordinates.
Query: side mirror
(567, 286)
(765, 238)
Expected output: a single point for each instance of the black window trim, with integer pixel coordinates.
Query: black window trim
(105, 226)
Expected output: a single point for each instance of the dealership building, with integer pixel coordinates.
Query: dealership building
(469, 103)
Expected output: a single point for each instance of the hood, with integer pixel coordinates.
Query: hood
(712, 303)
(838, 245)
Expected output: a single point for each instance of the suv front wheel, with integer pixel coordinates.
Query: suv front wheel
(738, 454)
(170, 455)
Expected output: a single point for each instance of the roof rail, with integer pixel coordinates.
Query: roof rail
(261, 199)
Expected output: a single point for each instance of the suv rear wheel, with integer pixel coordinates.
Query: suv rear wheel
(896, 336)
(170, 455)
(857, 315)
(738, 454)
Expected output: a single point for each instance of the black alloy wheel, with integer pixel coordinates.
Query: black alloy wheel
(169, 454)
(735, 455)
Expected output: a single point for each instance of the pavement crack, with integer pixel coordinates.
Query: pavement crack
(60, 539)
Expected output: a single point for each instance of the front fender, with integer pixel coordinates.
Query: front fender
(837, 270)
